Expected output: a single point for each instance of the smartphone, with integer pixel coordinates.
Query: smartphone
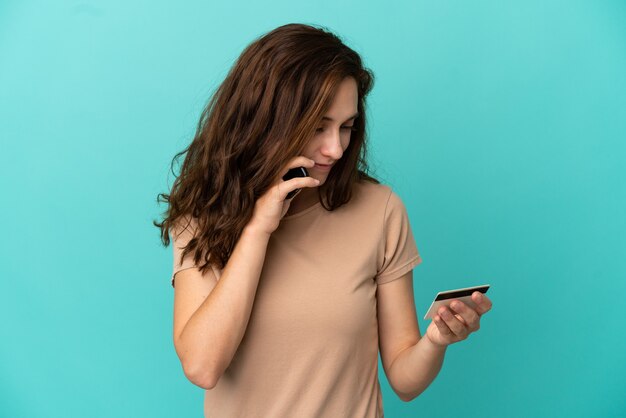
(295, 172)
(446, 297)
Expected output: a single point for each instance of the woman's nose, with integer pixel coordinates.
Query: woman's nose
(332, 145)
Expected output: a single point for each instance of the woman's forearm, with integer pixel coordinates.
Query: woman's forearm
(415, 368)
(212, 335)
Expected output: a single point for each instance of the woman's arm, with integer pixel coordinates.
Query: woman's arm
(412, 362)
(207, 337)
(416, 367)
(210, 316)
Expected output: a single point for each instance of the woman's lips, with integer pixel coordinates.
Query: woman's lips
(322, 167)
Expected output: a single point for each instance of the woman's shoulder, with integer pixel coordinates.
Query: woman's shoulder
(373, 190)
(370, 195)
(379, 195)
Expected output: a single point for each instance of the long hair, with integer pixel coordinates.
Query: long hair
(259, 118)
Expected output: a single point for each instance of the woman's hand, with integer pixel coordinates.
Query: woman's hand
(270, 208)
(456, 324)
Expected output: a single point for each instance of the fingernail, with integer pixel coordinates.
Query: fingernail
(317, 181)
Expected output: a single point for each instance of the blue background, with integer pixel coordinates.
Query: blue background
(502, 126)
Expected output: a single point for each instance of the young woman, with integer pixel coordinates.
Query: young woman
(282, 305)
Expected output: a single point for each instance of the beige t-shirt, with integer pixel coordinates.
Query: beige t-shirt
(311, 345)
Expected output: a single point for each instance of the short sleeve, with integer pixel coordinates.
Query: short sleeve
(181, 235)
(397, 251)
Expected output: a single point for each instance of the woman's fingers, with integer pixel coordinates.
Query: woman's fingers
(459, 320)
(453, 323)
(483, 303)
(298, 183)
(299, 161)
(286, 186)
(470, 317)
(441, 325)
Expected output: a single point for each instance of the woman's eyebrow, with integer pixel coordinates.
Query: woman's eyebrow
(350, 118)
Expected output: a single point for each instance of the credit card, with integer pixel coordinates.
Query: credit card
(446, 297)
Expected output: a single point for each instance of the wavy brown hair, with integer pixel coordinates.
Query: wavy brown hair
(258, 119)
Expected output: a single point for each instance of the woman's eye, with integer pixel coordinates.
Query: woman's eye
(352, 128)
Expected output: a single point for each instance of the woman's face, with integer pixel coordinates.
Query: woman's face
(332, 137)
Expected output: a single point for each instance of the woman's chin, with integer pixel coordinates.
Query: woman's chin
(322, 180)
